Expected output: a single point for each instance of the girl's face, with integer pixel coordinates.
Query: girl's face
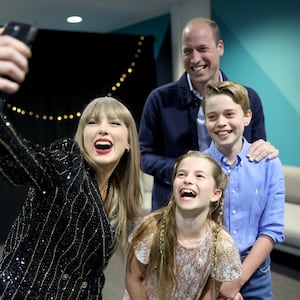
(225, 121)
(105, 140)
(194, 185)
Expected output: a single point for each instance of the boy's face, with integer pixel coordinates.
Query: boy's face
(225, 122)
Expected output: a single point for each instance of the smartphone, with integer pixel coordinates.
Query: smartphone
(24, 32)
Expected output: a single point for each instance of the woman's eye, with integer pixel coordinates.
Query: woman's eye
(116, 123)
(90, 122)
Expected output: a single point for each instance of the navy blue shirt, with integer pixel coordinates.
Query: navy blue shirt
(168, 129)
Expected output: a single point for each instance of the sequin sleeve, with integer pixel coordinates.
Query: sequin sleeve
(25, 163)
(228, 265)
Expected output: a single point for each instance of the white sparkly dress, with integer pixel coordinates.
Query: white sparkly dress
(194, 266)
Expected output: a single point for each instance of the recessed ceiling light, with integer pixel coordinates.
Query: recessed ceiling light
(74, 19)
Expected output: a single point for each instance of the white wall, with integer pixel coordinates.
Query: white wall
(181, 12)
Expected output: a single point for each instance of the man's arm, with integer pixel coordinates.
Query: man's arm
(153, 161)
(256, 133)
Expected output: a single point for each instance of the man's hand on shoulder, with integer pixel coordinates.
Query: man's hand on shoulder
(261, 149)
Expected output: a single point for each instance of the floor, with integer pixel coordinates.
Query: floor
(285, 275)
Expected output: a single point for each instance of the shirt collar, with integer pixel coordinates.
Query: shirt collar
(222, 160)
(196, 93)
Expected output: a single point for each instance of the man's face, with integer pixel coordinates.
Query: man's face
(201, 54)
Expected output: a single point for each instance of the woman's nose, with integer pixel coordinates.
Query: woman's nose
(102, 129)
(102, 132)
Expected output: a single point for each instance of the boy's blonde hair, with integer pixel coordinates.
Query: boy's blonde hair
(235, 91)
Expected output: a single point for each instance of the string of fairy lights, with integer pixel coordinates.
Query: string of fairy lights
(114, 87)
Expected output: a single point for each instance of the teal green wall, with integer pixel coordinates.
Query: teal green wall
(156, 26)
(262, 45)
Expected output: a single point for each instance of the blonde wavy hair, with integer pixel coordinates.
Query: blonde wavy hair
(124, 199)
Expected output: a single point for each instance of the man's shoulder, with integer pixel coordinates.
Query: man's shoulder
(176, 86)
(252, 93)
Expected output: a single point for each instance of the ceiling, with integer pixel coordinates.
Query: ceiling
(98, 15)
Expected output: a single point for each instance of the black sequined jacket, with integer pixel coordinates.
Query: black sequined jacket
(61, 242)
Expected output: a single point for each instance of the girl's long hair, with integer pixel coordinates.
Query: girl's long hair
(162, 225)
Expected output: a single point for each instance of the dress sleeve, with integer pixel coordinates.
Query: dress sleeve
(142, 250)
(143, 247)
(228, 265)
